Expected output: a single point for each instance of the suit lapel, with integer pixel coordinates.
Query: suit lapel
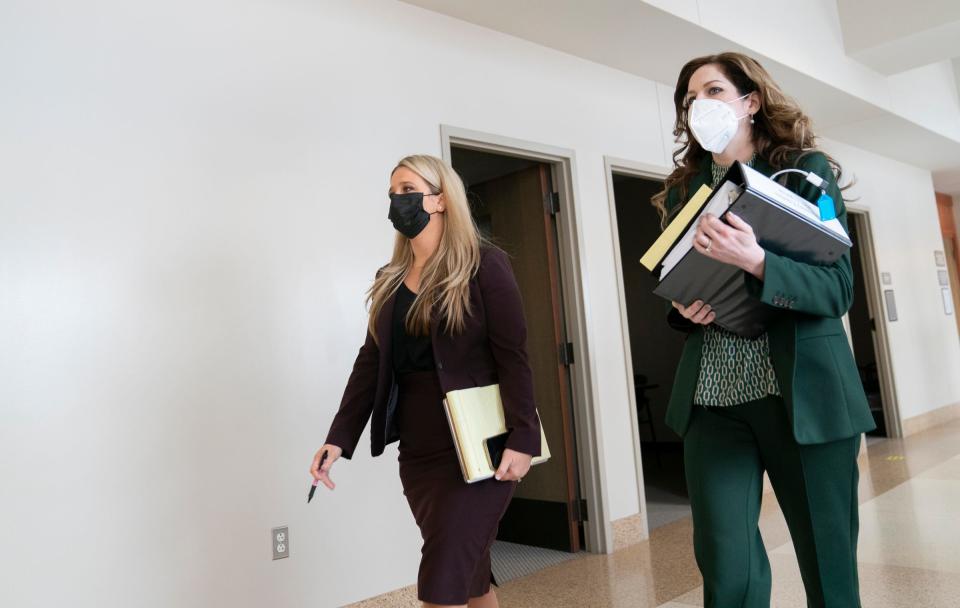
(702, 177)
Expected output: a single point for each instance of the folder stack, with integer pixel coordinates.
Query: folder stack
(784, 222)
(480, 431)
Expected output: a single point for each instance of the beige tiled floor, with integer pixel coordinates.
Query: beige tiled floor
(909, 551)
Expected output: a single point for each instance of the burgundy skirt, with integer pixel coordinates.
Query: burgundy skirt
(458, 521)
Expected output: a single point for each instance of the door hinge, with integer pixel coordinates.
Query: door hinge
(566, 353)
(579, 508)
(551, 202)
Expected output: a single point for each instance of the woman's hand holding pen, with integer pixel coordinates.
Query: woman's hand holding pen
(733, 243)
(320, 468)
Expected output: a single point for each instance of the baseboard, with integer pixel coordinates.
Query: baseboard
(628, 531)
(404, 597)
(928, 420)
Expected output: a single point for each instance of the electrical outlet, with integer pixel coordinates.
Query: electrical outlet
(281, 542)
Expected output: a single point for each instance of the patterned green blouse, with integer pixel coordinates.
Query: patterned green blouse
(733, 369)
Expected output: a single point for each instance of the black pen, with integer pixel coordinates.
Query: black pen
(313, 488)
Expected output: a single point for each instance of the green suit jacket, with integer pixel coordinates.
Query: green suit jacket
(808, 347)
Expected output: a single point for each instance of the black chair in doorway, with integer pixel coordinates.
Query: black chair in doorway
(644, 415)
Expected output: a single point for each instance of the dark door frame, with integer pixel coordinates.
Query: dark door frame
(588, 439)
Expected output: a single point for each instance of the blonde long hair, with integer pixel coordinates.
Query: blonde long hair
(445, 280)
(782, 132)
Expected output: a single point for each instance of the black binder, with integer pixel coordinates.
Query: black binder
(784, 223)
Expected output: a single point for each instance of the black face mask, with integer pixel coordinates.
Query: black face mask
(407, 214)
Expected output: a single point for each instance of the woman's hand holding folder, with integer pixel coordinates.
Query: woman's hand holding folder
(513, 465)
(698, 312)
(733, 243)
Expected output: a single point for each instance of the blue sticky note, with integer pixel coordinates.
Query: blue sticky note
(827, 209)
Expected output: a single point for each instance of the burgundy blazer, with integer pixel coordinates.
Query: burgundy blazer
(491, 350)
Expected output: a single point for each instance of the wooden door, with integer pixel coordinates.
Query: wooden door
(951, 250)
(515, 211)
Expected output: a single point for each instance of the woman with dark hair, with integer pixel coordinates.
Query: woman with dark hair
(789, 402)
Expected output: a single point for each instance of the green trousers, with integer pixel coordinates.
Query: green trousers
(726, 450)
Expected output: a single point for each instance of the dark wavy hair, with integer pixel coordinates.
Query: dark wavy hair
(782, 133)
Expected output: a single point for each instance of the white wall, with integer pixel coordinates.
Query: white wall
(893, 36)
(191, 206)
(930, 89)
(869, 23)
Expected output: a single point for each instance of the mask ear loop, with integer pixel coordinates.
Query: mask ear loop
(748, 113)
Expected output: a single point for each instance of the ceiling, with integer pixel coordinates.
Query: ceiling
(606, 32)
(892, 36)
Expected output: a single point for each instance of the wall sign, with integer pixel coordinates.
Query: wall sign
(891, 303)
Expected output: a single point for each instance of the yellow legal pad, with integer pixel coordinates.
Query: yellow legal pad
(652, 258)
(475, 415)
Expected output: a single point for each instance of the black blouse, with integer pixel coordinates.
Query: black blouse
(410, 353)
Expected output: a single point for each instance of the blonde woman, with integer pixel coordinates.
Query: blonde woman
(445, 314)
(788, 402)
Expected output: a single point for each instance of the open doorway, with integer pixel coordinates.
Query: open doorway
(654, 348)
(513, 203)
(867, 329)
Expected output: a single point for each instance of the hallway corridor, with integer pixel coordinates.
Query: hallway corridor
(909, 498)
